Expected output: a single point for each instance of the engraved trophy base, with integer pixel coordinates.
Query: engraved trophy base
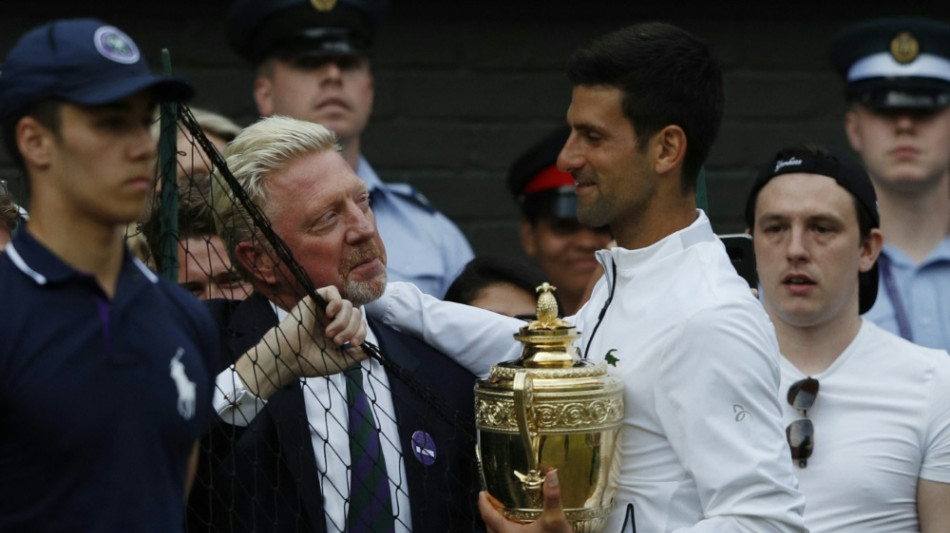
(575, 429)
(584, 520)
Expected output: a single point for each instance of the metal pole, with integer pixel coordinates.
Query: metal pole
(168, 163)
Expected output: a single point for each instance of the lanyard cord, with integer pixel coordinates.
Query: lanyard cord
(903, 325)
(629, 519)
(603, 311)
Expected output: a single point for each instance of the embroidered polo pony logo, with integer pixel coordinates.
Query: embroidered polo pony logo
(186, 387)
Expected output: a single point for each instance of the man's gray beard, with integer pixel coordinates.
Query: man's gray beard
(360, 293)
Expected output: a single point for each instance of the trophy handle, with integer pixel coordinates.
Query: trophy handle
(522, 388)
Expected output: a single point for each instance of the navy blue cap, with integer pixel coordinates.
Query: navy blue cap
(84, 61)
(846, 173)
(540, 189)
(895, 63)
(288, 29)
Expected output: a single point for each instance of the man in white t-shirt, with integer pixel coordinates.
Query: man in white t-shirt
(867, 413)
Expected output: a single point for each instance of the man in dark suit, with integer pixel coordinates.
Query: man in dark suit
(288, 462)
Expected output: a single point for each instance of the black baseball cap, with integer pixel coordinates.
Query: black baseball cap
(846, 173)
(289, 29)
(895, 63)
(83, 61)
(535, 182)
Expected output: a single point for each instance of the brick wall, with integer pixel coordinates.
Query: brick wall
(463, 87)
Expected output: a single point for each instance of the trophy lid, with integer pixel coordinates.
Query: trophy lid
(549, 340)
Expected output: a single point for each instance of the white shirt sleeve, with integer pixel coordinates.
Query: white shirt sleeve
(475, 338)
(936, 460)
(232, 401)
(717, 399)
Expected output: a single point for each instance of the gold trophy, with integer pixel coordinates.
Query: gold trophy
(549, 409)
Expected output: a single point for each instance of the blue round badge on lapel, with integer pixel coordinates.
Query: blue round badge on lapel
(423, 447)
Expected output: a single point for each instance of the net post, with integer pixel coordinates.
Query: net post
(168, 164)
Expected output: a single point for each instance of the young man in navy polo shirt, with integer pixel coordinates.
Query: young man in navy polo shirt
(103, 388)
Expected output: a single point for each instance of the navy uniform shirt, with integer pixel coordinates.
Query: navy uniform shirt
(423, 246)
(101, 400)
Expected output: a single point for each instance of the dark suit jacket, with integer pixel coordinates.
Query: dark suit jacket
(264, 477)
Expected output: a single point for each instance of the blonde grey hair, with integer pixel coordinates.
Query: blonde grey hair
(261, 149)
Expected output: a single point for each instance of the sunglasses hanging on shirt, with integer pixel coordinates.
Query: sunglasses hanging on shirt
(801, 433)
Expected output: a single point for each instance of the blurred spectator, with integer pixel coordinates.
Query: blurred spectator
(217, 128)
(501, 284)
(191, 160)
(204, 266)
(9, 216)
(550, 232)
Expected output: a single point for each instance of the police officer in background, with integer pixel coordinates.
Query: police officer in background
(550, 231)
(312, 61)
(897, 74)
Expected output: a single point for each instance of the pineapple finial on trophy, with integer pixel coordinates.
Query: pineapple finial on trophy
(547, 309)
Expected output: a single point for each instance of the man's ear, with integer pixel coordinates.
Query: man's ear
(261, 264)
(35, 142)
(264, 95)
(668, 148)
(528, 238)
(871, 249)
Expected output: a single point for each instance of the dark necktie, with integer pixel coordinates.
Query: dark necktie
(371, 509)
